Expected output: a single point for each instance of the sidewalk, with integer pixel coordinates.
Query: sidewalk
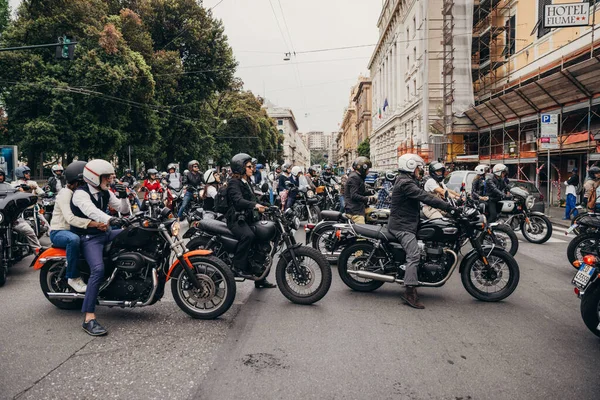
(556, 215)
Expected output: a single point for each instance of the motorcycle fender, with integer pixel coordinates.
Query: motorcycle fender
(539, 214)
(592, 287)
(286, 253)
(51, 253)
(470, 255)
(186, 257)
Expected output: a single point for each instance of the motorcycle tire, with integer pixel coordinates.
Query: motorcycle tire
(47, 277)
(315, 215)
(319, 242)
(511, 241)
(473, 262)
(590, 307)
(220, 272)
(364, 285)
(284, 275)
(586, 240)
(548, 229)
(3, 274)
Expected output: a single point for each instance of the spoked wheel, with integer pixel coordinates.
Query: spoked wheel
(504, 237)
(539, 229)
(583, 245)
(315, 214)
(53, 280)
(354, 258)
(493, 282)
(323, 242)
(307, 283)
(215, 294)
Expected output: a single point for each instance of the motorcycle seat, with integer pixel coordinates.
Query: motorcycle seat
(214, 226)
(330, 215)
(374, 232)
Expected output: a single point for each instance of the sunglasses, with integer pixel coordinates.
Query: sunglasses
(248, 166)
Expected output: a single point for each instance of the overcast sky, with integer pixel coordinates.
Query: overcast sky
(315, 85)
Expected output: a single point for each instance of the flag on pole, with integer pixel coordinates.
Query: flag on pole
(385, 104)
(379, 112)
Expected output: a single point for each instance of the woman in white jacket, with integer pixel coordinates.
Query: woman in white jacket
(63, 218)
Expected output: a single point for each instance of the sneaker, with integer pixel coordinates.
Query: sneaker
(77, 284)
(93, 328)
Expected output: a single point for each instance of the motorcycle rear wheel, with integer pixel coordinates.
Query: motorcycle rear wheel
(505, 234)
(588, 242)
(590, 307)
(3, 273)
(288, 278)
(217, 282)
(475, 272)
(53, 280)
(360, 251)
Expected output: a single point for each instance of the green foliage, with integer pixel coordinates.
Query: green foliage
(154, 74)
(4, 15)
(318, 157)
(364, 148)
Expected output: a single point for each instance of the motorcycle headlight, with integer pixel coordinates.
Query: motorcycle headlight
(175, 227)
(153, 196)
(529, 202)
(336, 187)
(1, 218)
(310, 194)
(296, 223)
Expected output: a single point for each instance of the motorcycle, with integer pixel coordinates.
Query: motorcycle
(585, 222)
(48, 200)
(587, 288)
(516, 213)
(174, 198)
(375, 257)
(303, 274)
(328, 193)
(137, 270)
(13, 246)
(587, 242)
(34, 215)
(305, 206)
(153, 204)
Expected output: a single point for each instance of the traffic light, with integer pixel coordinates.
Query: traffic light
(65, 50)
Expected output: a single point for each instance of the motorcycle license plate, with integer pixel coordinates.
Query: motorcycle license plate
(571, 229)
(583, 276)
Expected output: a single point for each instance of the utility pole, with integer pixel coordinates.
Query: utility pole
(65, 48)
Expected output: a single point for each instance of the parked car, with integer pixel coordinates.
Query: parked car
(530, 187)
(459, 179)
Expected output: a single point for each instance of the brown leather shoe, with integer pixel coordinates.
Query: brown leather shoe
(412, 298)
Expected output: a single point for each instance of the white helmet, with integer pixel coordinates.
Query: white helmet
(410, 162)
(172, 166)
(296, 170)
(95, 169)
(56, 168)
(499, 169)
(481, 169)
(209, 176)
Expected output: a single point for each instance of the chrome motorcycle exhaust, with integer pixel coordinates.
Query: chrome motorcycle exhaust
(374, 276)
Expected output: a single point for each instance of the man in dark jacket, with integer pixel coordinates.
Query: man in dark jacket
(355, 194)
(192, 180)
(57, 181)
(404, 218)
(496, 189)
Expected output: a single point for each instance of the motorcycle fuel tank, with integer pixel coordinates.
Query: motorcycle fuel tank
(437, 230)
(264, 230)
(506, 206)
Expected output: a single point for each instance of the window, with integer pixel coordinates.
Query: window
(407, 35)
(414, 25)
(541, 31)
(510, 39)
(415, 86)
(279, 122)
(407, 93)
(281, 131)
(407, 63)
(415, 54)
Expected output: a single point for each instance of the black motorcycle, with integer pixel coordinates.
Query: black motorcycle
(488, 273)
(13, 246)
(328, 193)
(305, 206)
(585, 222)
(516, 213)
(48, 200)
(303, 274)
(588, 241)
(137, 268)
(587, 288)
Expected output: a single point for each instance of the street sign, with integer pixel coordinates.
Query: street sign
(549, 132)
(567, 14)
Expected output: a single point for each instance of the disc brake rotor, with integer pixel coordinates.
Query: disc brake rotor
(207, 289)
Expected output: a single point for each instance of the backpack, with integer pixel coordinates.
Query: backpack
(221, 201)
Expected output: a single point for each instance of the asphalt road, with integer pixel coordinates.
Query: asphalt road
(348, 346)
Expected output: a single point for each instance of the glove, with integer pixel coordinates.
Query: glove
(121, 191)
(118, 222)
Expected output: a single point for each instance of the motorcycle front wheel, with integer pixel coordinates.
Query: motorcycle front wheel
(216, 293)
(582, 245)
(590, 309)
(505, 237)
(541, 229)
(314, 215)
(307, 283)
(493, 282)
(323, 242)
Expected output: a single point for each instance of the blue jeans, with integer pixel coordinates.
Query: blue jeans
(570, 205)
(71, 242)
(342, 204)
(184, 204)
(92, 247)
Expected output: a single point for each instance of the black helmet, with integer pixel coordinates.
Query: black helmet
(593, 171)
(2, 172)
(74, 171)
(312, 171)
(362, 165)
(128, 171)
(238, 163)
(434, 167)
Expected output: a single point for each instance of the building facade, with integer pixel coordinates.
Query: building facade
(406, 81)
(363, 102)
(295, 150)
(349, 132)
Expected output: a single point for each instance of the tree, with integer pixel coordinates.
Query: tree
(318, 157)
(364, 148)
(4, 15)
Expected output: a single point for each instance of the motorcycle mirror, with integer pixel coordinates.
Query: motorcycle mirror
(265, 187)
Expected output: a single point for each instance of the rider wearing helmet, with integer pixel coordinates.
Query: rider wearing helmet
(19, 225)
(496, 189)
(242, 206)
(283, 178)
(151, 183)
(591, 184)
(213, 181)
(384, 197)
(298, 183)
(192, 180)
(310, 176)
(478, 185)
(57, 181)
(63, 218)
(404, 218)
(257, 176)
(92, 201)
(23, 175)
(355, 193)
(173, 179)
(436, 186)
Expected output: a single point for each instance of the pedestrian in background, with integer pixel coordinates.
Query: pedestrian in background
(571, 202)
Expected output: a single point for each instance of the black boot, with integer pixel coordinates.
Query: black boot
(264, 284)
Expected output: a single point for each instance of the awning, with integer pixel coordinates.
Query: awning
(572, 84)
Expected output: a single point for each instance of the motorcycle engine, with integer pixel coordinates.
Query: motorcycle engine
(260, 256)
(128, 286)
(434, 264)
